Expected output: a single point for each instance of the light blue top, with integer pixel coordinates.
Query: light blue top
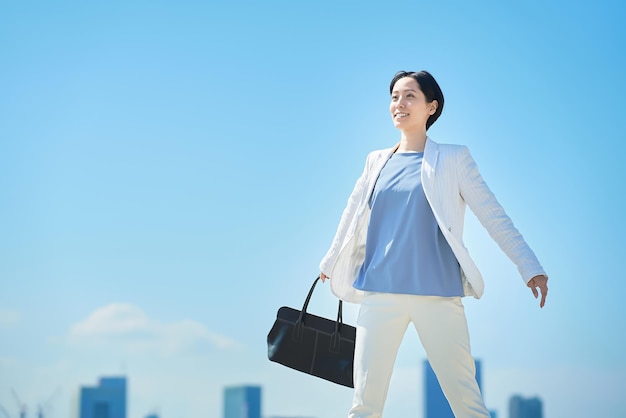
(405, 251)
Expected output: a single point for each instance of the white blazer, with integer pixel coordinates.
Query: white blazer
(451, 180)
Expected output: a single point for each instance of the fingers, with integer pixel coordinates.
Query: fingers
(534, 289)
(544, 293)
(539, 284)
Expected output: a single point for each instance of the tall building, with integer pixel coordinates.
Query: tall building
(435, 403)
(520, 407)
(242, 402)
(107, 400)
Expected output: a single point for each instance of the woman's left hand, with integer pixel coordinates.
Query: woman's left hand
(540, 282)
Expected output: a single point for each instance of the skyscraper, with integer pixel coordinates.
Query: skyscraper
(107, 400)
(242, 402)
(435, 403)
(520, 407)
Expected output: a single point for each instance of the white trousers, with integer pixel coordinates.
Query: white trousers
(442, 328)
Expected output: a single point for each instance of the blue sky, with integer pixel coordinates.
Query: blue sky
(171, 174)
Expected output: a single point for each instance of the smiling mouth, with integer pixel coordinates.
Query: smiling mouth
(401, 115)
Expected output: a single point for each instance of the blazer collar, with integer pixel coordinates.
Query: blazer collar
(431, 152)
(428, 165)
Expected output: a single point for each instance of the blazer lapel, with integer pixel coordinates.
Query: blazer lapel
(377, 167)
(431, 153)
(429, 165)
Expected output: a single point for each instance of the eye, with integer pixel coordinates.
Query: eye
(410, 95)
(394, 97)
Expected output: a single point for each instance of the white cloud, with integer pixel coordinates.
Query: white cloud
(128, 327)
(9, 317)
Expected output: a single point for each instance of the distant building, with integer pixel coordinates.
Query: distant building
(435, 403)
(242, 402)
(107, 400)
(520, 407)
(493, 414)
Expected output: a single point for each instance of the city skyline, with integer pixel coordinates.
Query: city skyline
(108, 399)
(243, 401)
(520, 407)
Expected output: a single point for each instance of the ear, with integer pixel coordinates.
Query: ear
(433, 106)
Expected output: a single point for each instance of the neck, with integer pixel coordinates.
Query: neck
(412, 142)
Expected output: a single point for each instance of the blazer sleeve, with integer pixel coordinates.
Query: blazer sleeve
(494, 219)
(347, 218)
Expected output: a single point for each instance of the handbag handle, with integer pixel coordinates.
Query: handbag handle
(308, 299)
(299, 323)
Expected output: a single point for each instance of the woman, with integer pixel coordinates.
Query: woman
(399, 252)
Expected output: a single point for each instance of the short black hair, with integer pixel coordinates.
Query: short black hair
(428, 85)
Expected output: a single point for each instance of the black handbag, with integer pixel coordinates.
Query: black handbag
(311, 344)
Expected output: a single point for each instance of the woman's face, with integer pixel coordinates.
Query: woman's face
(408, 107)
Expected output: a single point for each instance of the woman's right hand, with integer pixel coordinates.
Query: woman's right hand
(323, 277)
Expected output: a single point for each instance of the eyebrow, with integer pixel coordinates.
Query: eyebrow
(395, 91)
